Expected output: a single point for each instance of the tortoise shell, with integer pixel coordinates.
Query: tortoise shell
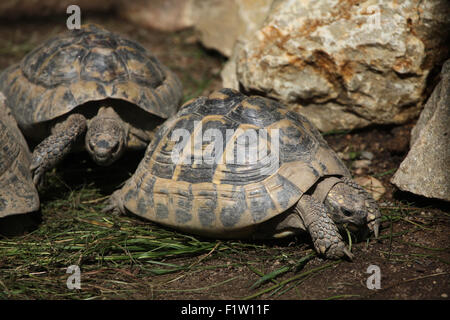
(17, 192)
(228, 198)
(86, 65)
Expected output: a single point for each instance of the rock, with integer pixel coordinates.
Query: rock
(343, 156)
(228, 74)
(220, 23)
(367, 155)
(166, 15)
(344, 64)
(372, 185)
(425, 170)
(361, 163)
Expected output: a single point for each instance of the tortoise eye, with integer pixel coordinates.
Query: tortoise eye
(347, 213)
(115, 148)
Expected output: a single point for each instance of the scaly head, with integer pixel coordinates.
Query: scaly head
(352, 206)
(106, 137)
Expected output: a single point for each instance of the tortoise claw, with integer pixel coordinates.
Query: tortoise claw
(376, 229)
(374, 224)
(337, 251)
(348, 253)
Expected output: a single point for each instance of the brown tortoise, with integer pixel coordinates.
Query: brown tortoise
(18, 194)
(302, 187)
(93, 82)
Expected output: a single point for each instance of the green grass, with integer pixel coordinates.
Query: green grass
(84, 236)
(74, 231)
(126, 257)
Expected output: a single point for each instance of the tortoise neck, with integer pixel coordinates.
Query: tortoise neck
(106, 111)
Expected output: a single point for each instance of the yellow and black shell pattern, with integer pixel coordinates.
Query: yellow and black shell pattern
(228, 198)
(18, 194)
(86, 65)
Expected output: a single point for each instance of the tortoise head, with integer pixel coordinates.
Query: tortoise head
(353, 207)
(106, 139)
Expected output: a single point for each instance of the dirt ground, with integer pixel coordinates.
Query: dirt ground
(412, 253)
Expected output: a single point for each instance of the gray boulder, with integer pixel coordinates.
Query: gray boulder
(221, 23)
(426, 169)
(166, 15)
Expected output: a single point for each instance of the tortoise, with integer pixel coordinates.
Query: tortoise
(89, 82)
(215, 190)
(18, 194)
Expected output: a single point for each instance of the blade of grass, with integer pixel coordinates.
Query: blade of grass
(259, 273)
(270, 276)
(299, 276)
(382, 174)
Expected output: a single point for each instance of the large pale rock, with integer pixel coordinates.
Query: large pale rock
(344, 64)
(426, 168)
(166, 15)
(220, 23)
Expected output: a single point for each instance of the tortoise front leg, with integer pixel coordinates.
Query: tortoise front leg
(324, 233)
(55, 147)
(114, 204)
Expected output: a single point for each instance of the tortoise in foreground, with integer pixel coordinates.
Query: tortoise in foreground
(18, 194)
(93, 82)
(298, 184)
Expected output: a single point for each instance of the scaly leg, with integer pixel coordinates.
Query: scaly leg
(114, 204)
(322, 229)
(55, 147)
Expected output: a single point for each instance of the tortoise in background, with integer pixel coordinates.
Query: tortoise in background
(93, 82)
(18, 194)
(301, 186)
